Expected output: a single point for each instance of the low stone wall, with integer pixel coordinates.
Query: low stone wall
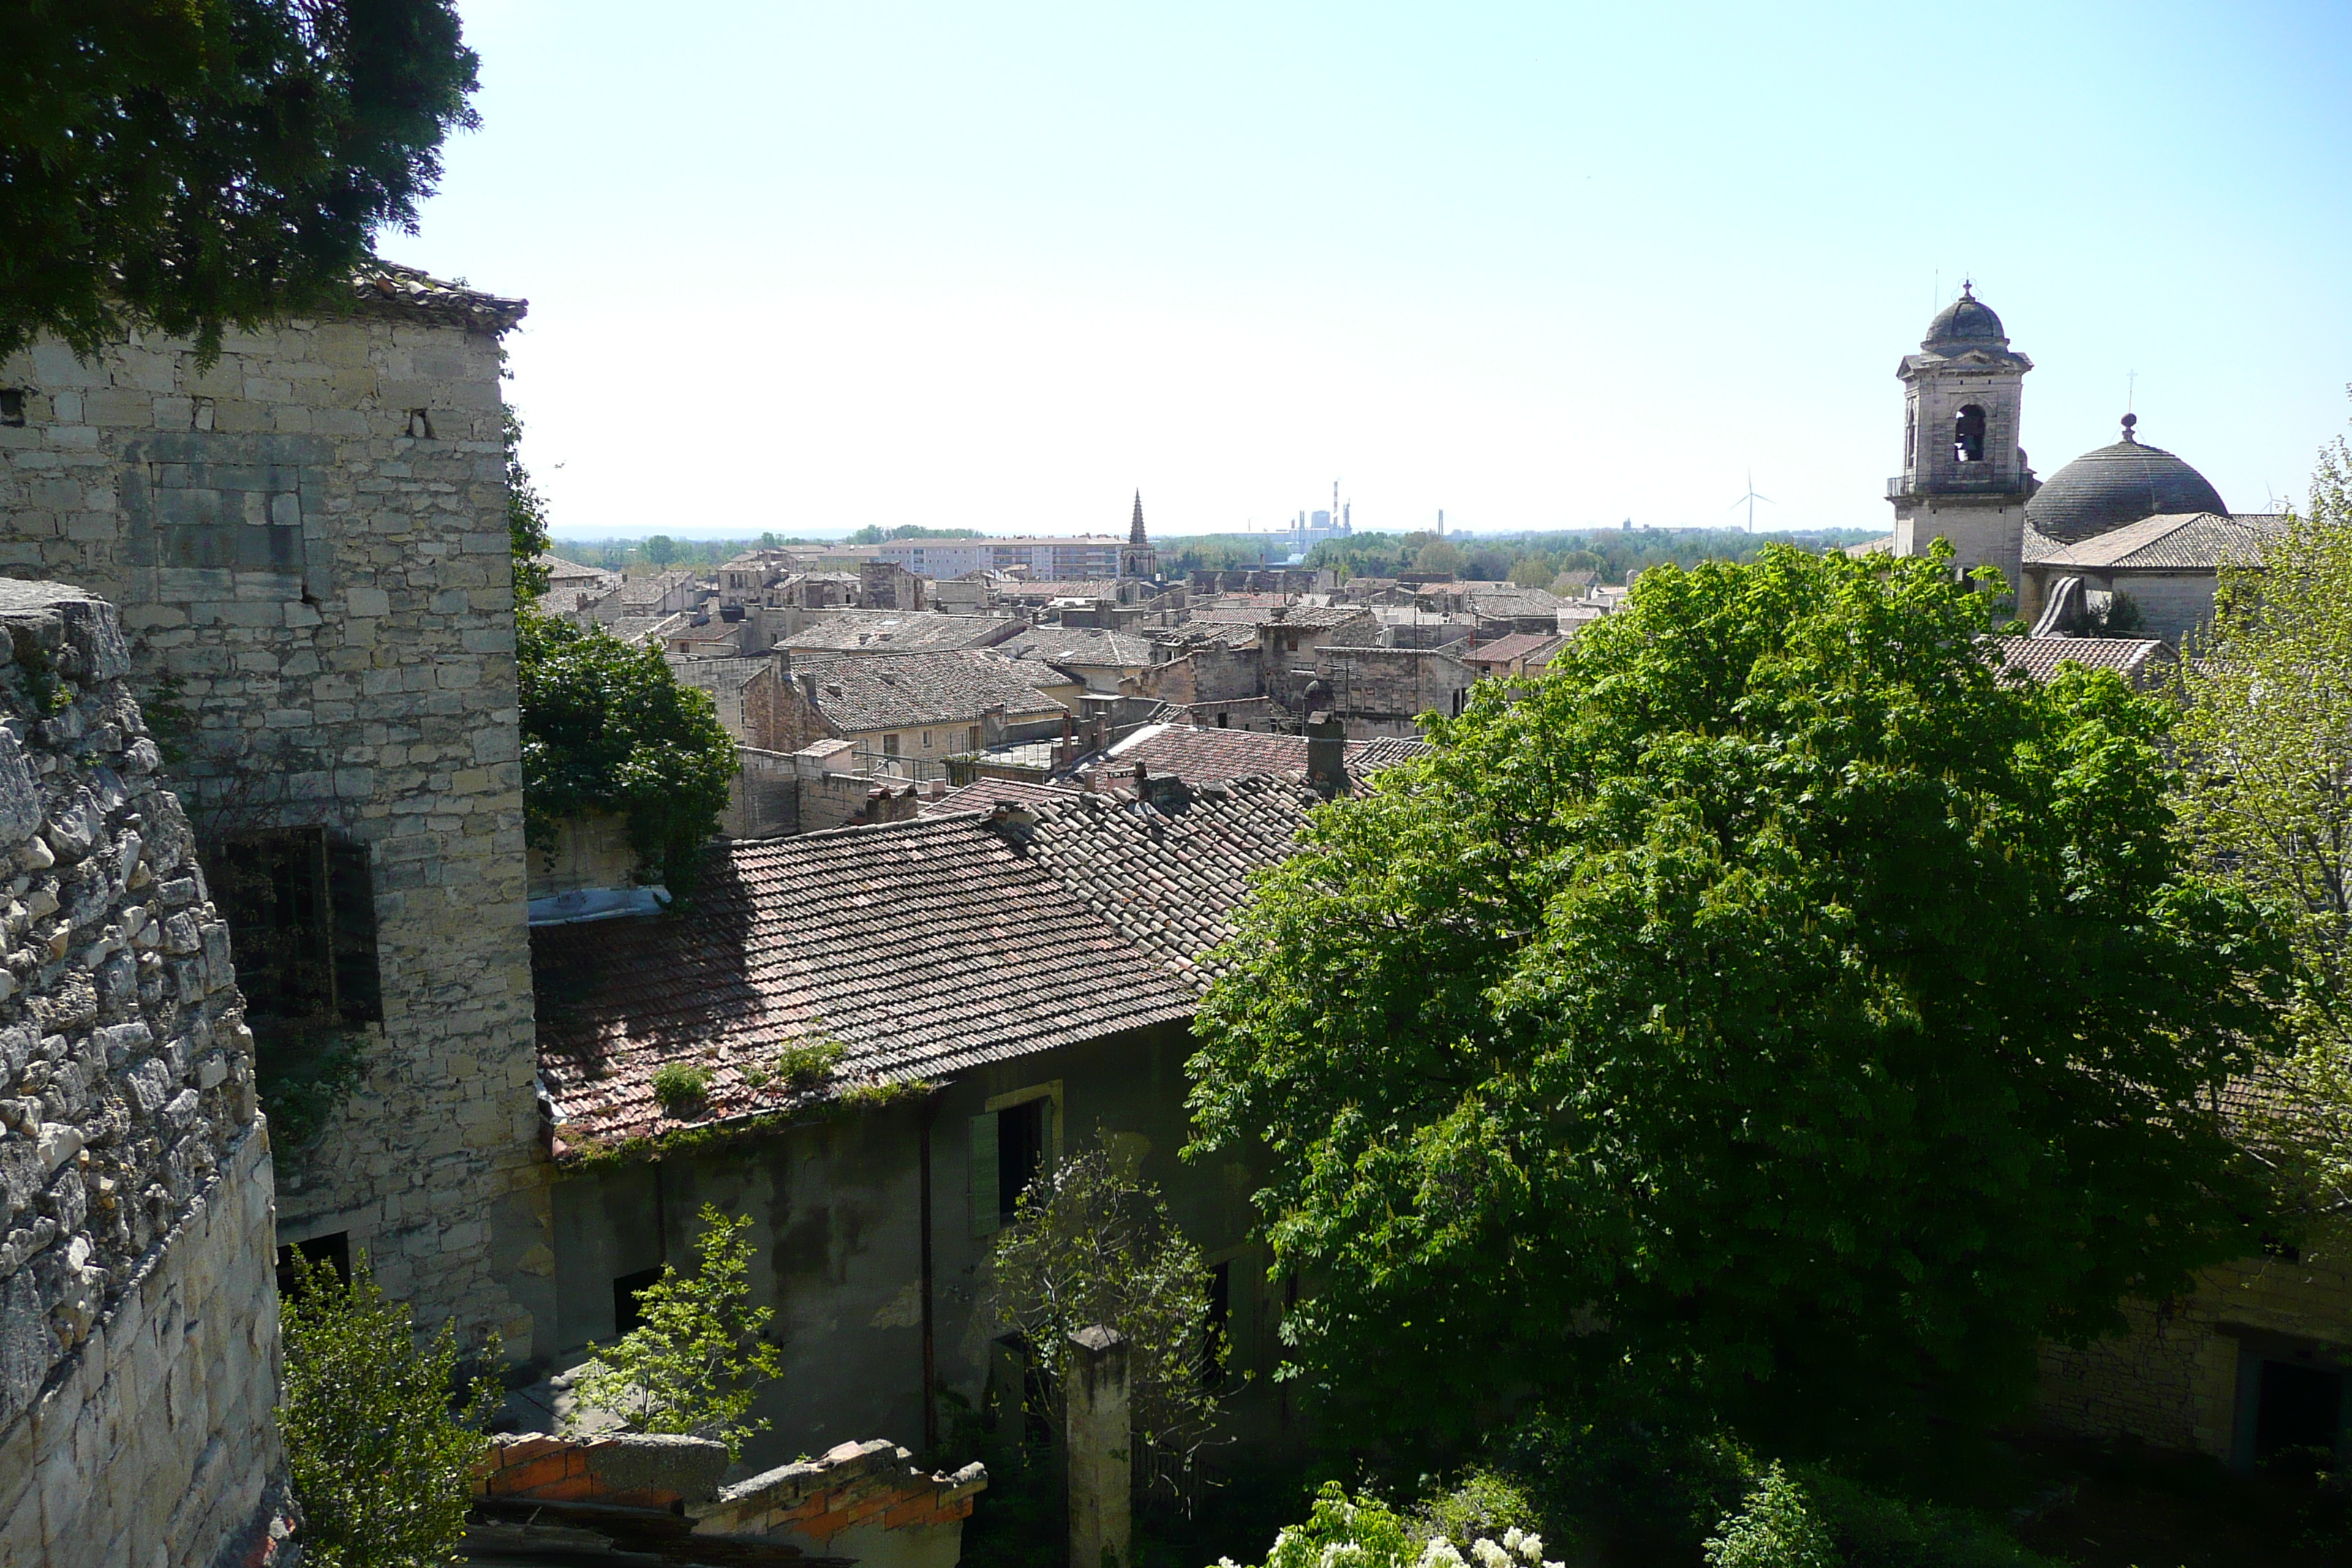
(138, 1307)
(864, 1502)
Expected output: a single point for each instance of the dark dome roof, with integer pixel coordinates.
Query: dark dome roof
(2116, 485)
(1967, 320)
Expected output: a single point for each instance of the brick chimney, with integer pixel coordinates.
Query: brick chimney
(1327, 753)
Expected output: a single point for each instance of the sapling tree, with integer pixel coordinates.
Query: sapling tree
(382, 1434)
(1092, 1242)
(1775, 1014)
(694, 1362)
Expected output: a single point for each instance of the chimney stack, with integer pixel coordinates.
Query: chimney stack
(1327, 753)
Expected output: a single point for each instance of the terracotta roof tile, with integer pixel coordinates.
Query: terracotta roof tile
(861, 691)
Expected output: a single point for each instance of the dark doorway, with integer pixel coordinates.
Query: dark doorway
(1020, 1151)
(627, 1313)
(2298, 1407)
(334, 1251)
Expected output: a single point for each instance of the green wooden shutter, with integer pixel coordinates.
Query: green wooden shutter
(984, 1217)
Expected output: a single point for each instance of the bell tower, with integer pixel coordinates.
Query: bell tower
(1964, 476)
(1137, 559)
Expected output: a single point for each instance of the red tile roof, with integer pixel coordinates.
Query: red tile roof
(1202, 755)
(921, 947)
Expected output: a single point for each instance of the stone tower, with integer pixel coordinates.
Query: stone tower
(1137, 559)
(1964, 477)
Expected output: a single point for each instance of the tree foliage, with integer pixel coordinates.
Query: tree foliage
(381, 1463)
(201, 164)
(606, 727)
(1775, 1527)
(692, 1364)
(526, 516)
(1094, 1242)
(1772, 1010)
(2266, 795)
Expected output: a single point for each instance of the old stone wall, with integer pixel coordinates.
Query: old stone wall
(307, 540)
(138, 1309)
(2177, 1378)
(1380, 691)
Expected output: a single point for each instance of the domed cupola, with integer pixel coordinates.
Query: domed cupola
(2117, 485)
(1967, 323)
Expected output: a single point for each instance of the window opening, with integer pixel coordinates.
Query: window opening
(1969, 434)
(972, 737)
(1225, 720)
(1020, 1152)
(628, 1307)
(334, 1251)
(301, 917)
(420, 424)
(2298, 1407)
(1217, 1331)
(891, 745)
(12, 405)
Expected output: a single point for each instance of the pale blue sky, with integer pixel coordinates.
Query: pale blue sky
(806, 267)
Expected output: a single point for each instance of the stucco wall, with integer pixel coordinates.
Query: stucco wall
(836, 1202)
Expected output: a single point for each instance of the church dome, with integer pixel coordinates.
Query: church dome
(1966, 322)
(2116, 485)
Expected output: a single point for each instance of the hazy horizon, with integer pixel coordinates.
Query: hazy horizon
(1541, 267)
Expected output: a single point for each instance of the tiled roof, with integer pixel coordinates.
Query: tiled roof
(2038, 659)
(1535, 647)
(653, 590)
(558, 570)
(386, 288)
(1169, 878)
(645, 628)
(1881, 546)
(2181, 540)
(1200, 755)
(1079, 644)
(898, 631)
(983, 793)
(1019, 588)
(861, 691)
(1301, 618)
(921, 947)
(1511, 600)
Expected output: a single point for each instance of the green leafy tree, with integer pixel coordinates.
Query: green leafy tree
(606, 727)
(2266, 794)
(526, 516)
(693, 1363)
(203, 163)
(1094, 1242)
(1439, 556)
(1773, 1012)
(660, 551)
(381, 1462)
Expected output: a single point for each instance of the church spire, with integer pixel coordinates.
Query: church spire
(1135, 529)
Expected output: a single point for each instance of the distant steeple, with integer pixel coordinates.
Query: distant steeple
(1135, 529)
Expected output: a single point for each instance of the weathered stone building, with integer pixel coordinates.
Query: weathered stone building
(307, 539)
(138, 1315)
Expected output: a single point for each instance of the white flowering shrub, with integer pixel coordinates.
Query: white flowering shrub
(1344, 1533)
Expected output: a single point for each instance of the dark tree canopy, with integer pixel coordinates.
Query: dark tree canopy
(203, 163)
(606, 727)
(1772, 1014)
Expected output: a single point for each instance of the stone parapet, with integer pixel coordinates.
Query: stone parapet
(138, 1307)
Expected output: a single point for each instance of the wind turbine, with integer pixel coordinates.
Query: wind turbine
(1750, 500)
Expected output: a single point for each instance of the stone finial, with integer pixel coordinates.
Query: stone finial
(2129, 421)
